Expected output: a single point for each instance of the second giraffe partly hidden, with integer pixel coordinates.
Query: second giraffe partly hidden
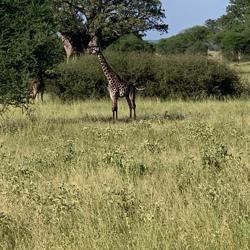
(37, 87)
(116, 86)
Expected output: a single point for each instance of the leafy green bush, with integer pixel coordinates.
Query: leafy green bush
(78, 80)
(180, 76)
(194, 77)
(28, 47)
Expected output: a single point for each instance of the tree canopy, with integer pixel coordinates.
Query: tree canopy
(237, 15)
(107, 20)
(232, 29)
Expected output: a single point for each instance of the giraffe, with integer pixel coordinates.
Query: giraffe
(37, 86)
(116, 86)
(69, 49)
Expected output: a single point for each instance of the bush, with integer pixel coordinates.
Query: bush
(78, 80)
(28, 47)
(180, 76)
(194, 77)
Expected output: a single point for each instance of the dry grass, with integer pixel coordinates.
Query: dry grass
(176, 178)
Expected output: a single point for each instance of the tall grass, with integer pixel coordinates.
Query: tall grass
(176, 178)
(243, 69)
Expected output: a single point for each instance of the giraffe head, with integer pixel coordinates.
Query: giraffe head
(94, 50)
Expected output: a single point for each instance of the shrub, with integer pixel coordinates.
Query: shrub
(180, 76)
(28, 47)
(194, 77)
(78, 80)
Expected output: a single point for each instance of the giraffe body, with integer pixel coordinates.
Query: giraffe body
(69, 49)
(117, 87)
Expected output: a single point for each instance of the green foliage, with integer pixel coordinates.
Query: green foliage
(78, 80)
(231, 31)
(173, 45)
(192, 40)
(192, 77)
(237, 16)
(179, 76)
(108, 20)
(233, 42)
(131, 43)
(28, 46)
(212, 25)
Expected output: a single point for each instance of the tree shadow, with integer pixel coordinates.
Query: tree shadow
(166, 116)
(20, 124)
(108, 119)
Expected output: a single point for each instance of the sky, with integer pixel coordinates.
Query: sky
(183, 14)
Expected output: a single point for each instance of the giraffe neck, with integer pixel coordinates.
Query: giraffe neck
(107, 70)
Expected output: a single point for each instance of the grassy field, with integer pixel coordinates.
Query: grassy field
(177, 178)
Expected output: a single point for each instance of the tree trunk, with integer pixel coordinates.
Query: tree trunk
(75, 43)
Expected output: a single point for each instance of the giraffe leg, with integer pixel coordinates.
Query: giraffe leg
(42, 92)
(134, 107)
(34, 98)
(114, 108)
(130, 106)
(132, 100)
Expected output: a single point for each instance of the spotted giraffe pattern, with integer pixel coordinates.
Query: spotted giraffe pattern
(116, 86)
(69, 49)
(37, 87)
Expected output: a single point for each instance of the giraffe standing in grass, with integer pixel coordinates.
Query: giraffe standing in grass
(116, 86)
(37, 87)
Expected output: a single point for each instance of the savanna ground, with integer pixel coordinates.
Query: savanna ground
(177, 178)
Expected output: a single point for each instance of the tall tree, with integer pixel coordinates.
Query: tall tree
(28, 47)
(238, 12)
(236, 18)
(213, 26)
(107, 20)
(233, 35)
